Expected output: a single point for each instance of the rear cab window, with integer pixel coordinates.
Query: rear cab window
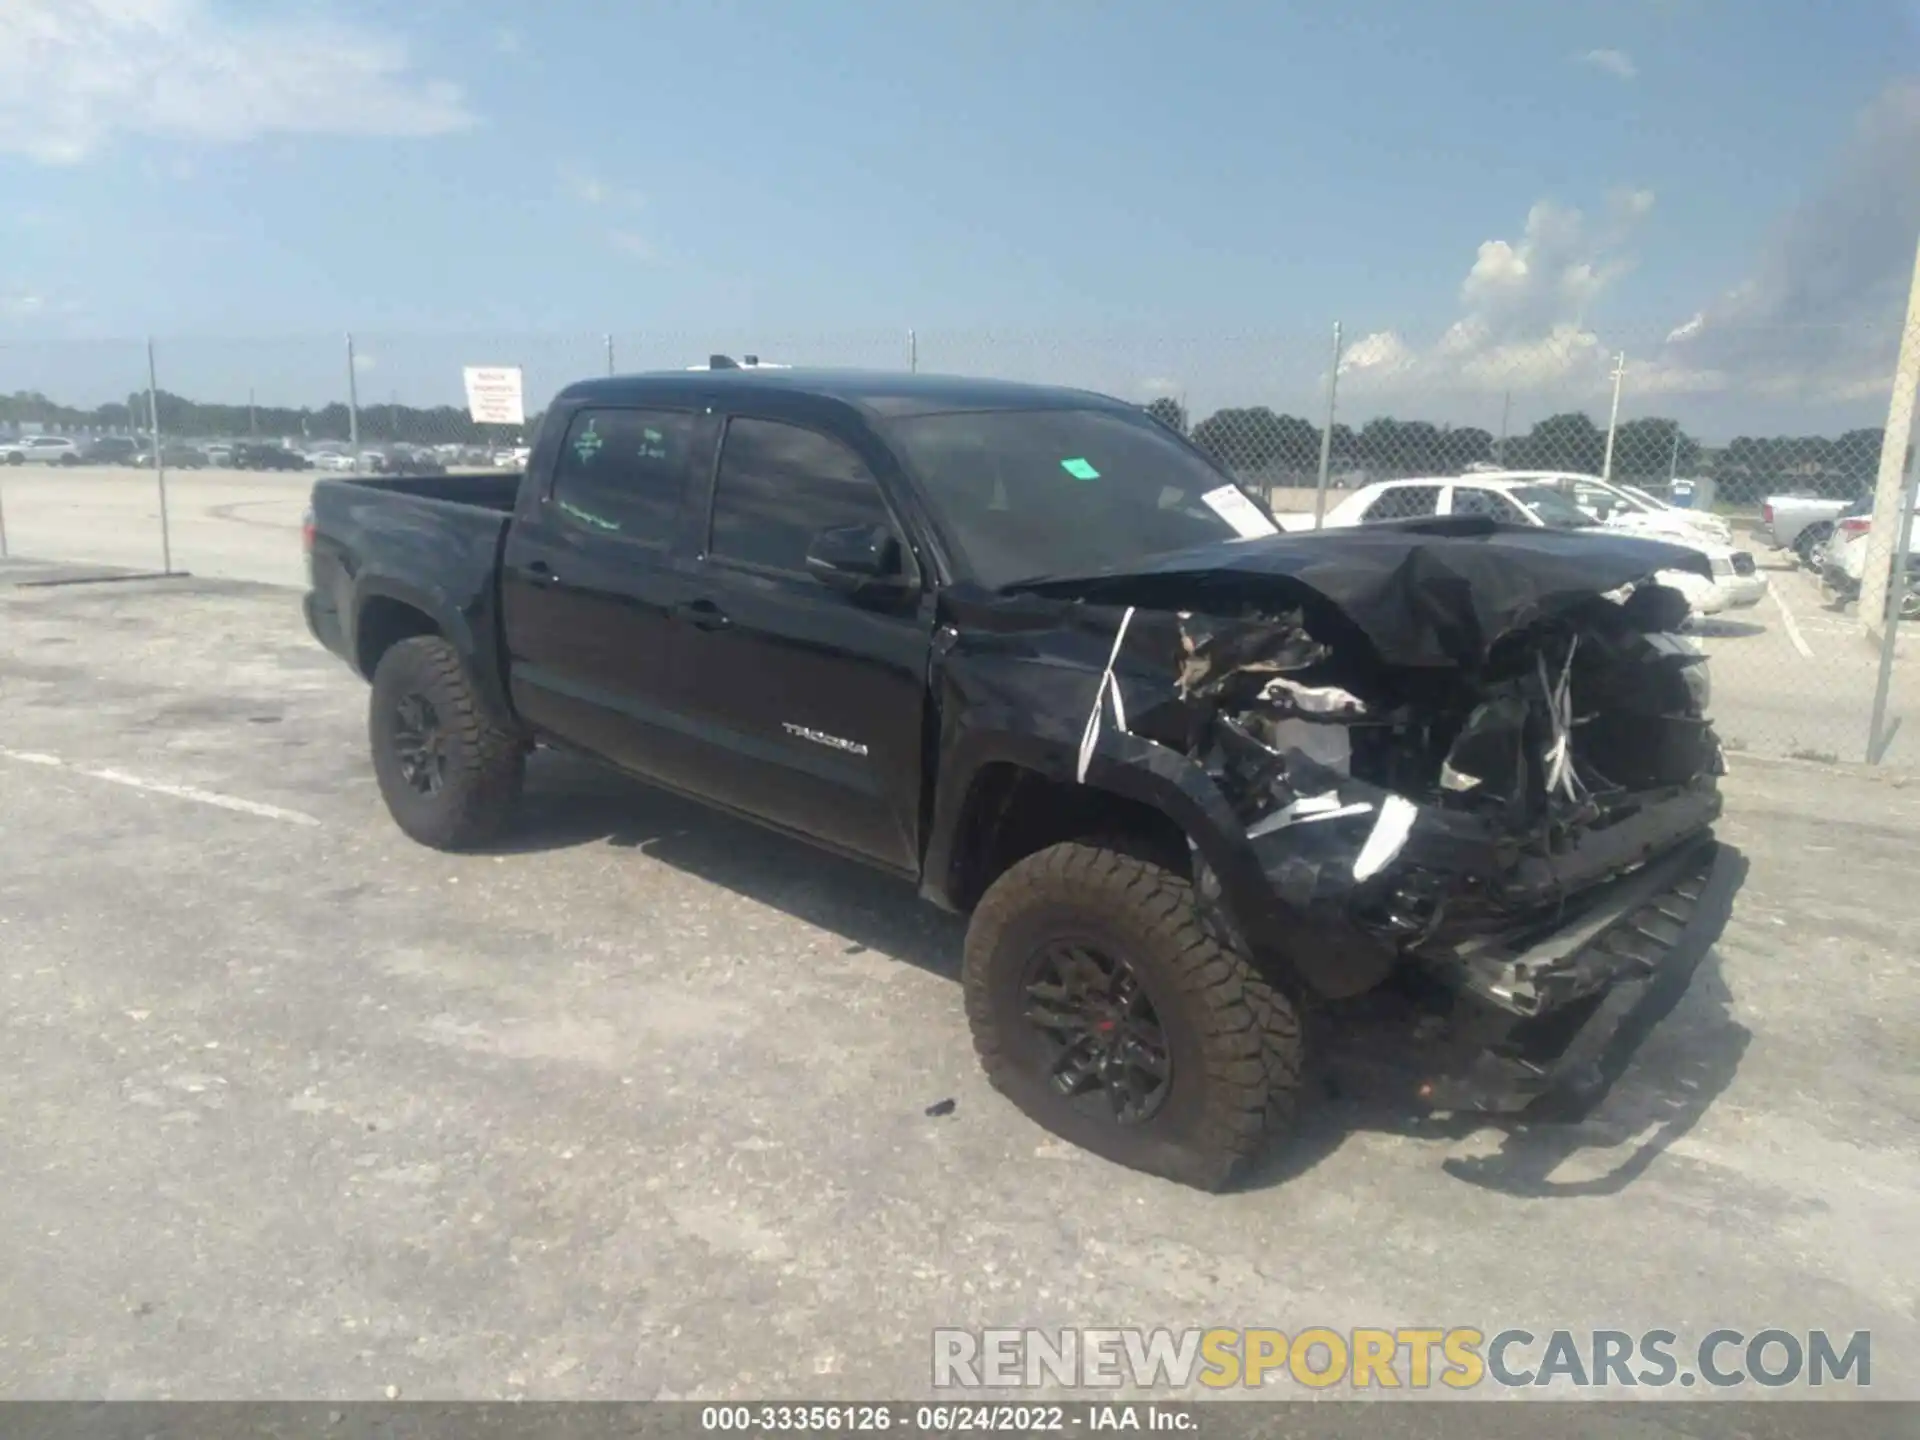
(622, 473)
(778, 484)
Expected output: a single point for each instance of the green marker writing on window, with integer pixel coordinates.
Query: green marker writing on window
(1079, 469)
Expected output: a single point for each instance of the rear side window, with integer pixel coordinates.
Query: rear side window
(780, 483)
(622, 473)
(1471, 500)
(1404, 502)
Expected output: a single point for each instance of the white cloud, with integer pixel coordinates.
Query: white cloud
(583, 185)
(76, 74)
(1524, 309)
(1617, 63)
(1158, 385)
(1820, 312)
(21, 304)
(628, 242)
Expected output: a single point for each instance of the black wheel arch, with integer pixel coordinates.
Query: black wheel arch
(1004, 798)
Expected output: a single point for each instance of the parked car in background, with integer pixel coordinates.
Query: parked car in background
(110, 450)
(337, 461)
(403, 460)
(1800, 523)
(267, 457)
(40, 450)
(1624, 507)
(219, 454)
(174, 455)
(1736, 584)
(1842, 560)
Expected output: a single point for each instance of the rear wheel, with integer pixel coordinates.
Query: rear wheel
(1808, 542)
(1104, 1006)
(450, 774)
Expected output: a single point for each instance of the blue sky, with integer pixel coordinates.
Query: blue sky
(1146, 196)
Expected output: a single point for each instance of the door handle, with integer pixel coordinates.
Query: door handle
(540, 573)
(702, 614)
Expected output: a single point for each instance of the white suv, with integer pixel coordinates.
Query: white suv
(42, 449)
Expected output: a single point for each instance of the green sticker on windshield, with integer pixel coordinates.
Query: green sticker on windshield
(1079, 469)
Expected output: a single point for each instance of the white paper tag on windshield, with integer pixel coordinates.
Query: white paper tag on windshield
(1231, 504)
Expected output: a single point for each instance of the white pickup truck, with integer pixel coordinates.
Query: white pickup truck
(1800, 523)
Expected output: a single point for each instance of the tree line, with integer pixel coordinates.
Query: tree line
(195, 419)
(1256, 442)
(1253, 441)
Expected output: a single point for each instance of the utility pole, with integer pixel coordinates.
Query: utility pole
(353, 406)
(610, 354)
(1500, 446)
(159, 461)
(1613, 419)
(913, 353)
(1673, 460)
(1883, 582)
(1890, 496)
(253, 427)
(1326, 433)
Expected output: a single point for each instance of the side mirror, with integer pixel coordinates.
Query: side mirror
(857, 557)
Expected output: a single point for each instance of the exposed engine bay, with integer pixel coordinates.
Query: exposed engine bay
(1491, 759)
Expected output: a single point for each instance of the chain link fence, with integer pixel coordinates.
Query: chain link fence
(1763, 449)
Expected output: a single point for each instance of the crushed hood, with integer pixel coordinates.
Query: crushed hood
(1432, 592)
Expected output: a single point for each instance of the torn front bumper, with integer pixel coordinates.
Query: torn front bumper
(1550, 1020)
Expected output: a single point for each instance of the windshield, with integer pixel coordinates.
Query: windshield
(1552, 508)
(1049, 492)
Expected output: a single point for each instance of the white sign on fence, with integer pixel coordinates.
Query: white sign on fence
(494, 395)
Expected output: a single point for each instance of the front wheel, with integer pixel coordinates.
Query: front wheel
(1104, 1007)
(449, 772)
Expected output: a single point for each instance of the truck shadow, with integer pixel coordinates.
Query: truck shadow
(571, 802)
(1714, 628)
(1681, 1054)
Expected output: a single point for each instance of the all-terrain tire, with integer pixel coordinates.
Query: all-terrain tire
(1233, 1039)
(483, 763)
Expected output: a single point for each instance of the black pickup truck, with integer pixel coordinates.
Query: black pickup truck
(1032, 651)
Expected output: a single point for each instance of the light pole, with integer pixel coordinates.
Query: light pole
(1613, 419)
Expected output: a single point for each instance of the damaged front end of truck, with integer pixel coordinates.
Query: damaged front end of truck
(1464, 763)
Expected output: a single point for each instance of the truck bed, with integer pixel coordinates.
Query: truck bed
(429, 541)
(487, 489)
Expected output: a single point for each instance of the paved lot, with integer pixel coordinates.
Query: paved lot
(297, 1108)
(1791, 677)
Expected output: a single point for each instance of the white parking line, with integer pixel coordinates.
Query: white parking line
(1793, 627)
(161, 787)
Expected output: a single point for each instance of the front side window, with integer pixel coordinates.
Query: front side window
(622, 473)
(1552, 508)
(1405, 502)
(778, 485)
(1471, 500)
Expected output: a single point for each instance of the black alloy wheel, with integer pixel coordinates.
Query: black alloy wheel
(1101, 1027)
(420, 744)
